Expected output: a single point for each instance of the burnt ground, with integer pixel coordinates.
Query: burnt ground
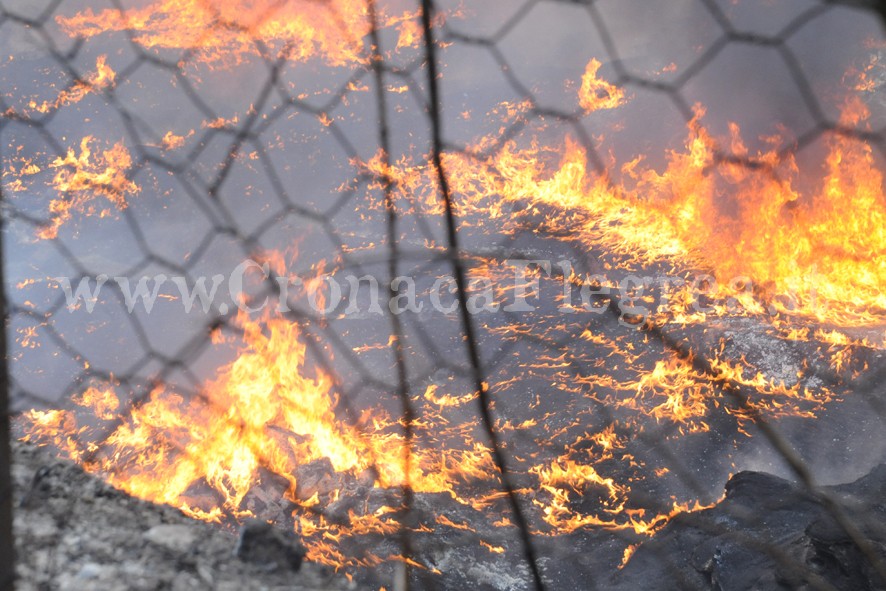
(75, 532)
(770, 534)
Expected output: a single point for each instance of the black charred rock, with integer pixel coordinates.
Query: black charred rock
(768, 534)
(757, 490)
(268, 547)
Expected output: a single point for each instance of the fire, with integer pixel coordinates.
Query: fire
(171, 141)
(267, 411)
(57, 427)
(807, 254)
(81, 178)
(225, 33)
(103, 402)
(678, 393)
(596, 94)
(567, 479)
(785, 252)
(410, 33)
(102, 79)
(446, 399)
(262, 412)
(628, 552)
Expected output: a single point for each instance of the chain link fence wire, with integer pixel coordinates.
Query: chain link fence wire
(7, 540)
(321, 141)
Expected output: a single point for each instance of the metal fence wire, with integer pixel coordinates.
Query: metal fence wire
(494, 293)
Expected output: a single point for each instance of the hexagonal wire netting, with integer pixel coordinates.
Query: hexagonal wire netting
(317, 150)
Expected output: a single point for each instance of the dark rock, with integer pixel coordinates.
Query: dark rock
(40, 488)
(767, 534)
(754, 489)
(268, 499)
(317, 478)
(262, 544)
(378, 498)
(340, 511)
(836, 557)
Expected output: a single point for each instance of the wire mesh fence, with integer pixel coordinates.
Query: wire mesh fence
(545, 272)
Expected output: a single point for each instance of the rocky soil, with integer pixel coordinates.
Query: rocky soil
(74, 532)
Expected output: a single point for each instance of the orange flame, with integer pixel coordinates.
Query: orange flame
(228, 32)
(262, 411)
(98, 81)
(808, 254)
(596, 94)
(80, 179)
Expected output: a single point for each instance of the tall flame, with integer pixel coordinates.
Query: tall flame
(261, 412)
(810, 254)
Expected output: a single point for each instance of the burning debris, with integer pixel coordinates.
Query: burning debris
(800, 253)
